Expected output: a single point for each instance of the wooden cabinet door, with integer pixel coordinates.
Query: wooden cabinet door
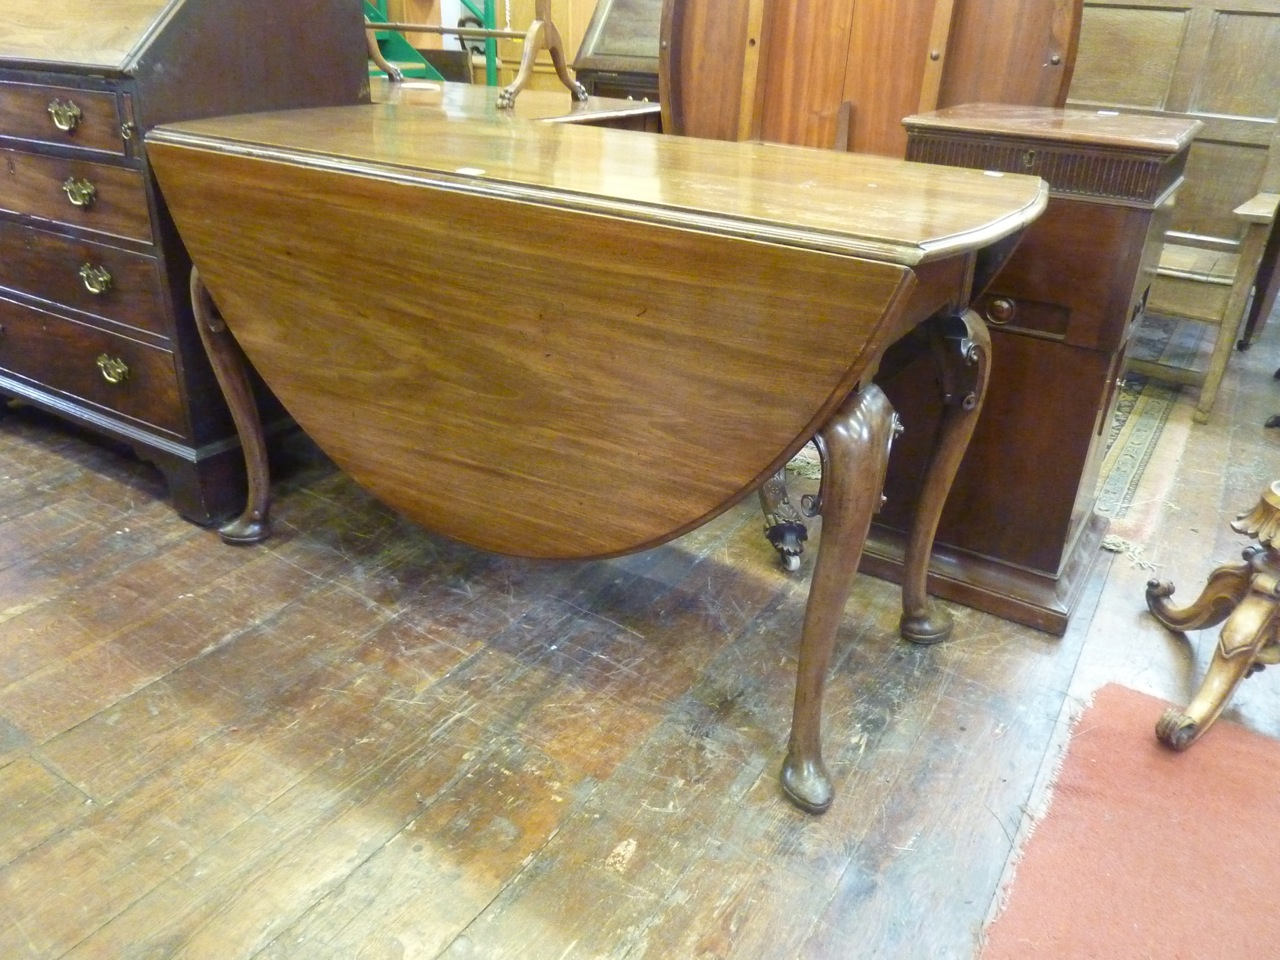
(1213, 61)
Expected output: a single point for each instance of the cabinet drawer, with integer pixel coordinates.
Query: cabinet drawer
(64, 116)
(66, 271)
(69, 357)
(116, 201)
(1021, 314)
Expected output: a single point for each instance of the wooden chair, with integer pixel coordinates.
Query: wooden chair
(1202, 279)
(1211, 61)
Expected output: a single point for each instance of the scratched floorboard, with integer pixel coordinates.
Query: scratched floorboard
(363, 741)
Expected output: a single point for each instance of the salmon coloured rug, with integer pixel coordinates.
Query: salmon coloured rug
(1144, 852)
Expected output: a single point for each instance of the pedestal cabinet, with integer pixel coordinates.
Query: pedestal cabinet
(95, 318)
(1019, 531)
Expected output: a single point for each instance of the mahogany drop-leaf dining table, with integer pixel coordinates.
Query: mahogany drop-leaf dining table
(563, 341)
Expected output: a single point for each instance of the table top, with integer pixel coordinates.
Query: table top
(1079, 127)
(874, 207)
(556, 340)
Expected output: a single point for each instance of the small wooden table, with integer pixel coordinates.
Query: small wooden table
(475, 101)
(594, 340)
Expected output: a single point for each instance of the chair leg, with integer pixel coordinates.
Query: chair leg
(1251, 250)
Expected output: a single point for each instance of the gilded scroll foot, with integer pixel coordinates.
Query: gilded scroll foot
(1226, 587)
(1245, 598)
(855, 450)
(253, 525)
(962, 348)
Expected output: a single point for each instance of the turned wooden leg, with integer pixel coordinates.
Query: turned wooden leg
(855, 453)
(963, 348)
(784, 527)
(229, 366)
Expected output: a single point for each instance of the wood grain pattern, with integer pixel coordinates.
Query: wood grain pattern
(33, 186)
(857, 205)
(75, 31)
(701, 62)
(544, 410)
(47, 265)
(24, 114)
(62, 354)
(625, 381)
(833, 73)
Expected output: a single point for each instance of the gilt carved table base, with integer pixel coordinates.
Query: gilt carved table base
(1245, 598)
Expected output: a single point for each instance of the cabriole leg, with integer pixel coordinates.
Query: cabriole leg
(855, 452)
(229, 366)
(963, 349)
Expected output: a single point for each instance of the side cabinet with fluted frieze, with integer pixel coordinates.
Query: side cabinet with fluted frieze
(1020, 532)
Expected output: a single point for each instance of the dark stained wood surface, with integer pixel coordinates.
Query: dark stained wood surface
(580, 400)
(33, 187)
(413, 748)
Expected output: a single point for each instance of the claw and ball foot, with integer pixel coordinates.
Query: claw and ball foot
(855, 451)
(1245, 598)
(542, 35)
(784, 526)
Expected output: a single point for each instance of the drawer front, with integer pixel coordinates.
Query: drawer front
(82, 361)
(96, 278)
(1021, 314)
(63, 116)
(92, 196)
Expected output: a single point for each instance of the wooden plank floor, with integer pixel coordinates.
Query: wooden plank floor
(361, 741)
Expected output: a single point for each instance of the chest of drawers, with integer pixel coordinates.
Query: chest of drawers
(95, 318)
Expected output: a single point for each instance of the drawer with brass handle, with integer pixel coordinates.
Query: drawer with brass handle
(117, 374)
(97, 278)
(106, 198)
(63, 116)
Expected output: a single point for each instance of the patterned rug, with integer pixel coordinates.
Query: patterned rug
(1142, 410)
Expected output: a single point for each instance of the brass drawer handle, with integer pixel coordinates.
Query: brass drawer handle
(65, 114)
(96, 279)
(114, 370)
(81, 193)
